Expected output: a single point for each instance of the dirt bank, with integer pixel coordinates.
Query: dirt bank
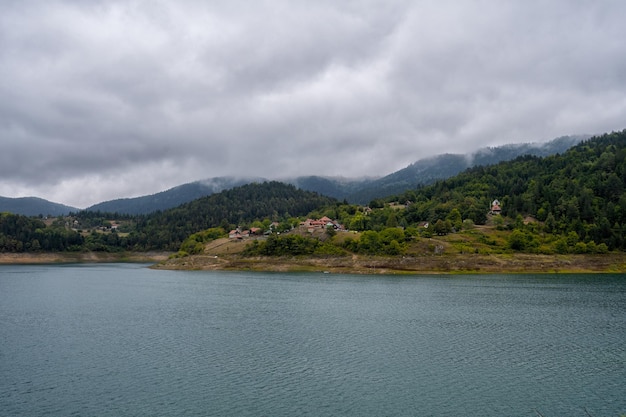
(474, 263)
(82, 257)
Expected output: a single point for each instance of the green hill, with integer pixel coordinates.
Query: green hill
(230, 208)
(581, 191)
(33, 206)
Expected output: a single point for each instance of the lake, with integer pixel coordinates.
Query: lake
(125, 340)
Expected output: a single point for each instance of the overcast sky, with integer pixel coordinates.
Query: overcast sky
(120, 98)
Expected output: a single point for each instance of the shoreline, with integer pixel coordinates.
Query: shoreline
(404, 265)
(517, 263)
(81, 257)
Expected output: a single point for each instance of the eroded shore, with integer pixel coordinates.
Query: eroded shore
(508, 263)
(443, 264)
(81, 257)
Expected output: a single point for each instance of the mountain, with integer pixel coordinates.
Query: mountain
(355, 190)
(228, 208)
(579, 195)
(563, 203)
(171, 198)
(336, 187)
(361, 191)
(33, 206)
(428, 170)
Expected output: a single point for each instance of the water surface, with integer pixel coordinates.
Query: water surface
(123, 340)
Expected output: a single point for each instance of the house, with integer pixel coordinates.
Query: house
(312, 224)
(325, 222)
(273, 228)
(238, 233)
(496, 207)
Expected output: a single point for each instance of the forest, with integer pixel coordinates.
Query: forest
(573, 202)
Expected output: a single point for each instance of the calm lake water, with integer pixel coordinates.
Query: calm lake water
(124, 340)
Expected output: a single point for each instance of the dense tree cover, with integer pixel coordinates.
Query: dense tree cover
(389, 241)
(167, 230)
(577, 203)
(242, 205)
(581, 191)
(429, 170)
(27, 234)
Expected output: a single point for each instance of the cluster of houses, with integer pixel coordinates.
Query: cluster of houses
(311, 225)
(324, 223)
(239, 233)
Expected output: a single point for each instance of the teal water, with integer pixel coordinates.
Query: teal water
(124, 340)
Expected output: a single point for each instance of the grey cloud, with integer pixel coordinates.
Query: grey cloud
(102, 93)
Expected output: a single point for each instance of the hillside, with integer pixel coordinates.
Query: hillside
(427, 171)
(163, 230)
(580, 191)
(359, 191)
(33, 206)
(556, 207)
(230, 208)
(170, 198)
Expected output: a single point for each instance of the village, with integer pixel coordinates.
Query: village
(309, 225)
(313, 226)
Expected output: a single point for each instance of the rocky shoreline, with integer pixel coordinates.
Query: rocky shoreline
(444, 264)
(355, 264)
(81, 257)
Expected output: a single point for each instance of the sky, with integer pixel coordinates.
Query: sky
(121, 98)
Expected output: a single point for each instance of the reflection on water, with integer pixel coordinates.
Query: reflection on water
(113, 340)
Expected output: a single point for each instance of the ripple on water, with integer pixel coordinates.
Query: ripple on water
(121, 340)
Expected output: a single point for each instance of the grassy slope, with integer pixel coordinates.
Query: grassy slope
(463, 252)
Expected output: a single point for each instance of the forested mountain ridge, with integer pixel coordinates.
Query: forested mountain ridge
(581, 191)
(172, 197)
(33, 206)
(360, 191)
(163, 230)
(574, 203)
(240, 205)
(428, 170)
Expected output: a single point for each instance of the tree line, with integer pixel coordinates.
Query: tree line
(162, 230)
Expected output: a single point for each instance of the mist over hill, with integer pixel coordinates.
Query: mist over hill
(428, 170)
(173, 197)
(354, 190)
(558, 204)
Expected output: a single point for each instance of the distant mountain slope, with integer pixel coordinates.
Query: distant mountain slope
(579, 194)
(33, 206)
(338, 188)
(171, 198)
(426, 171)
(228, 208)
(358, 190)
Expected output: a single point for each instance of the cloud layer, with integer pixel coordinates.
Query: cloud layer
(108, 99)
